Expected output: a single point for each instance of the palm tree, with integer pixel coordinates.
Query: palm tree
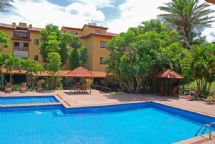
(187, 15)
(31, 67)
(12, 63)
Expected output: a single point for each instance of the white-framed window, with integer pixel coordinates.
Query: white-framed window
(103, 44)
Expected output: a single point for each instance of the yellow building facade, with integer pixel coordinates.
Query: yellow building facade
(25, 42)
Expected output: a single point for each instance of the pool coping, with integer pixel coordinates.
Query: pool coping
(31, 104)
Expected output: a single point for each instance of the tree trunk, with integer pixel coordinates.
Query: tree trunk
(11, 78)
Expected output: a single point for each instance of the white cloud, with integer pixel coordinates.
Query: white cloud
(42, 12)
(98, 3)
(76, 14)
(133, 12)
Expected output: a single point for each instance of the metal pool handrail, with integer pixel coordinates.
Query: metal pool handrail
(204, 127)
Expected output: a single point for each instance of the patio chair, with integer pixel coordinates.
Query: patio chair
(84, 88)
(77, 86)
(39, 87)
(174, 90)
(8, 88)
(23, 87)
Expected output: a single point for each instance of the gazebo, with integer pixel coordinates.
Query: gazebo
(80, 72)
(167, 74)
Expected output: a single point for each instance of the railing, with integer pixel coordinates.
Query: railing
(99, 87)
(205, 127)
(20, 48)
(21, 34)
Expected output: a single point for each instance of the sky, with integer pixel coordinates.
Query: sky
(117, 15)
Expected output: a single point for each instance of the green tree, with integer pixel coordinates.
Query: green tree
(141, 51)
(83, 56)
(3, 40)
(200, 66)
(11, 63)
(67, 43)
(74, 59)
(53, 64)
(31, 67)
(50, 37)
(187, 16)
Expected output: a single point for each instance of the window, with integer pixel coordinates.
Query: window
(74, 33)
(36, 58)
(103, 44)
(25, 45)
(102, 60)
(98, 31)
(36, 42)
(16, 44)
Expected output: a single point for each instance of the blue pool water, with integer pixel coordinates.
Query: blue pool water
(27, 100)
(146, 123)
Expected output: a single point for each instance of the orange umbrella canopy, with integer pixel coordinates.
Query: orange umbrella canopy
(167, 74)
(80, 72)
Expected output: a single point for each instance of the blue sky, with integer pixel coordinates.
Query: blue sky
(118, 15)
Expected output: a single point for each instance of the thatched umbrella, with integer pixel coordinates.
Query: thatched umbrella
(167, 74)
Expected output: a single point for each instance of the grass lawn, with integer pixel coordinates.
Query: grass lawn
(192, 85)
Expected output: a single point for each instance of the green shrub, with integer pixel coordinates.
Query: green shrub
(16, 87)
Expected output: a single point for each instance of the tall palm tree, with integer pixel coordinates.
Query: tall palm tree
(187, 15)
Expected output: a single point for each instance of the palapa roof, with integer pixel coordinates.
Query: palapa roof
(80, 72)
(167, 74)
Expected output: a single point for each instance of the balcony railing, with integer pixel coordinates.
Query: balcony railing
(18, 48)
(21, 35)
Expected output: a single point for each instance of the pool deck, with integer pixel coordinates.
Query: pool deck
(97, 98)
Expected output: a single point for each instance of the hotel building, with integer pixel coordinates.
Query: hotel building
(25, 42)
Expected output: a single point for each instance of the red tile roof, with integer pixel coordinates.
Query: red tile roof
(100, 34)
(9, 26)
(210, 1)
(6, 26)
(80, 72)
(167, 74)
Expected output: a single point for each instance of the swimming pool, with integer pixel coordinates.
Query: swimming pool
(149, 122)
(27, 100)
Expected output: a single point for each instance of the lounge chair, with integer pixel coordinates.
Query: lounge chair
(8, 88)
(39, 87)
(195, 95)
(210, 99)
(23, 87)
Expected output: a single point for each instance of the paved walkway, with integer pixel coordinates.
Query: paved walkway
(97, 98)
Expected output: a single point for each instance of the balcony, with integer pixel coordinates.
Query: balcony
(18, 48)
(21, 35)
(20, 51)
